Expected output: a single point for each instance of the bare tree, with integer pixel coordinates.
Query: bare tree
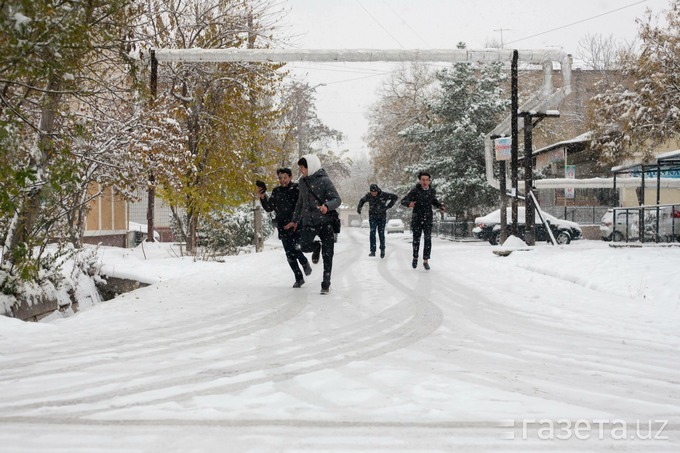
(603, 53)
(303, 130)
(403, 103)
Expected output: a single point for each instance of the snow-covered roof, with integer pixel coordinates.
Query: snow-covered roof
(585, 137)
(658, 159)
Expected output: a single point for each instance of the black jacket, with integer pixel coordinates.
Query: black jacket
(378, 205)
(307, 208)
(425, 199)
(282, 202)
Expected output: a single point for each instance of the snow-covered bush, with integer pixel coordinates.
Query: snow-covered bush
(66, 282)
(227, 232)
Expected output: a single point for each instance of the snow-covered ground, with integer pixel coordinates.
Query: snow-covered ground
(574, 347)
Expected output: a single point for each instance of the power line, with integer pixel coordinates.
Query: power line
(380, 25)
(333, 67)
(406, 23)
(578, 22)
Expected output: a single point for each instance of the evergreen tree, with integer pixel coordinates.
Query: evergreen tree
(469, 105)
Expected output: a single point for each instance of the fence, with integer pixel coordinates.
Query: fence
(583, 215)
(659, 223)
(453, 229)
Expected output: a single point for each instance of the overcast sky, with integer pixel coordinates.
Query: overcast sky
(349, 88)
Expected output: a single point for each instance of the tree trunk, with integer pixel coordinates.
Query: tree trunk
(30, 205)
(192, 220)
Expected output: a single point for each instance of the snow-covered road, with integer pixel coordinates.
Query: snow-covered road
(578, 343)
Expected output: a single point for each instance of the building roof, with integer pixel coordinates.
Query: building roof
(578, 142)
(669, 159)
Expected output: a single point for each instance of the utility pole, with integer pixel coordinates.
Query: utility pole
(530, 207)
(514, 106)
(501, 30)
(258, 236)
(151, 194)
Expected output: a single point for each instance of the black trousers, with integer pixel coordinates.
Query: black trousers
(327, 237)
(376, 224)
(424, 228)
(294, 254)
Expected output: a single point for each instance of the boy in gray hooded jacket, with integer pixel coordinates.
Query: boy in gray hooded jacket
(317, 197)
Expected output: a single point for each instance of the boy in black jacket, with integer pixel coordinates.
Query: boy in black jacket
(282, 202)
(421, 198)
(378, 204)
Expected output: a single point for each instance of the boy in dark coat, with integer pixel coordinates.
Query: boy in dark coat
(378, 204)
(421, 199)
(282, 202)
(317, 197)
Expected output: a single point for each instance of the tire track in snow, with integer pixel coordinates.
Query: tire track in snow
(391, 329)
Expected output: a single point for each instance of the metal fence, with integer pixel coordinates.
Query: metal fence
(453, 229)
(137, 211)
(583, 215)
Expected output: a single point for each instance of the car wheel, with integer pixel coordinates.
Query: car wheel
(563, 237)
(493, 240)
(617, 236)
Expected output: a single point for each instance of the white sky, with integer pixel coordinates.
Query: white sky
(226, 356)
(434, 24)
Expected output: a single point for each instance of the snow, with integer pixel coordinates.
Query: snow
(20, 21)
(480, 353)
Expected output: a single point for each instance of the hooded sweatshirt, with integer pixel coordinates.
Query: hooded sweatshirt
(317, 181)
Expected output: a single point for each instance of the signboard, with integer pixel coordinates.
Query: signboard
(556, 155)
(673, 173)
(503, 147)
(569, 192)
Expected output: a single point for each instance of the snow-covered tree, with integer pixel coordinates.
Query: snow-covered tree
(224, 109)
(55, 75)
(469, 104)
(402, 103)
(632, 119)
(303, 132)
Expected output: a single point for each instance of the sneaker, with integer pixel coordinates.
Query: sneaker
(316, 253)
(307, 268)
(426, 265)
(298, 283)
(371, 254)
(414, 264)
(382, 254)
(325, 288)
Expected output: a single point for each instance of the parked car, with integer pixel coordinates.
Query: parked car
(628, 224)
(394, 226)
(488, 227)
(365, 224)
